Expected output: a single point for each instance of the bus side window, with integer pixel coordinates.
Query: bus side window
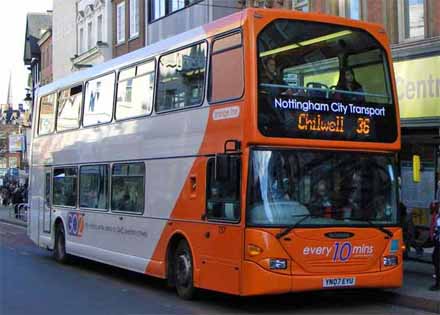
(69, 102)
(226, 81)
(135, 91)
(98, 103)
(181, 78)
(93, 187)
(222, 196)
(128, 187)
(65, 186)
(46, 120)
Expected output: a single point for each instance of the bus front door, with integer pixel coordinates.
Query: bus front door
(47, 205)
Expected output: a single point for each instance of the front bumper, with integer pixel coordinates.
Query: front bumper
(256, 280)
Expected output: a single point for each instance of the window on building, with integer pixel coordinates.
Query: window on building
(64, 186)
(98, 103)
(46, 120)
(3, 160)
(93, 187)
(120, 22)
(223, 194)
(301, 5)
(99, 29)
(414, 18)
(161, 8)
(135, 91)
(353, 9)
(134, 18)
(128, 187)
(69, 102)
(158, 9)
(227, 77)
(81, 40)
(89, 35)
(177, 5)
(182, 78)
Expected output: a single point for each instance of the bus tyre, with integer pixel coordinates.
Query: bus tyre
(183, 264)
(59, 251)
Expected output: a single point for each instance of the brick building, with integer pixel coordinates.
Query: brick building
(36, 25)
(45, 44)
(129, 25)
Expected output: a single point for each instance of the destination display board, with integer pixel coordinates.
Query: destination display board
(328, 119)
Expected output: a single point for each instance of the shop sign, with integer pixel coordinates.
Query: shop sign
(418, 87)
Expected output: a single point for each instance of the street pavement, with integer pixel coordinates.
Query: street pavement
(33, 283)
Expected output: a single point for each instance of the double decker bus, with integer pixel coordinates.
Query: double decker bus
(253, 155)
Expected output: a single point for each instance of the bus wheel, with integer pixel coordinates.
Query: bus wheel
(59, 251)
(183, 264)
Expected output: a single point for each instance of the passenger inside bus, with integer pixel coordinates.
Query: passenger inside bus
(281, 184)
(347, 82)
(271, 76)
(321, 203)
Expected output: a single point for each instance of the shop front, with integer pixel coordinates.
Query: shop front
(418, 85)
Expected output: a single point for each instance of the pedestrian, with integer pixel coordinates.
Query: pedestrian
(435, 236)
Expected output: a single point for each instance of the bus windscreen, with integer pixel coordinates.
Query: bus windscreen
(329, 82)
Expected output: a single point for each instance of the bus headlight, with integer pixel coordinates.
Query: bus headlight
(277, 263)
(390, 261)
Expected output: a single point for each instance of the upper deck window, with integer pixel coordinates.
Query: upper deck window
(46, 120)
(69, 102)
(182, 78)
(324, 81)
(135, 91)
(98, 103)
(226, 75)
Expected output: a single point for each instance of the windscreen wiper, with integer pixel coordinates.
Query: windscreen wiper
(380, 228)
(291, 227)
(304, 217)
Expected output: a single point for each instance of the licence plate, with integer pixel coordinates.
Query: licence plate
(338, 282)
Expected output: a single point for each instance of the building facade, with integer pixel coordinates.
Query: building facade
(45, 44)
(93, 33)
(63, 37)
(129, 25)
(167, 18)
(37, 24)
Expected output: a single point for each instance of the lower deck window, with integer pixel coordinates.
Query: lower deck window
(94, 187)
(128, 187)
(65, 186)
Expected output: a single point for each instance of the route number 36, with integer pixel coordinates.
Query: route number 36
(363, 126)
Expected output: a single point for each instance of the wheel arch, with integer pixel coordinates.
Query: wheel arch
(173, 241)
(58, 220)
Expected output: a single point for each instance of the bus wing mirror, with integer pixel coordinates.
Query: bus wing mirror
(416, 168)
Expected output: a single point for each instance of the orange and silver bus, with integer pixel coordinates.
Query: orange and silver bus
(253, 155)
